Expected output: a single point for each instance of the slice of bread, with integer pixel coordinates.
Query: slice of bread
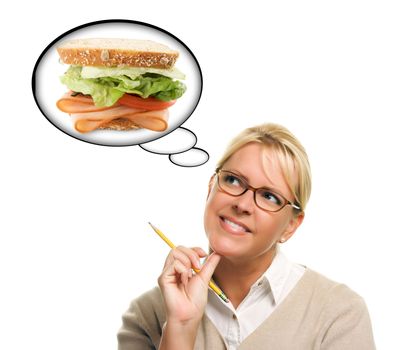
(111, 52)
(120, 124)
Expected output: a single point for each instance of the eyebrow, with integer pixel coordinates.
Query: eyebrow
(237, 172)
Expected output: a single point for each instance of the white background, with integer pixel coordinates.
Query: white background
(75, 246)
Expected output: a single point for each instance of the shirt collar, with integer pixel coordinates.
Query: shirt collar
(272, 281)
(275, 276)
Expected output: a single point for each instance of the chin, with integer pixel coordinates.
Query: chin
(225, 247)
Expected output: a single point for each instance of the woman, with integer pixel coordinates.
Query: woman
(256, 201)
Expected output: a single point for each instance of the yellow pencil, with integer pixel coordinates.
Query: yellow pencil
(212, 285)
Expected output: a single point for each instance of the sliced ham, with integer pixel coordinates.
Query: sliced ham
(108, 114)
(88, 117)
(78, 104)
(152, 120)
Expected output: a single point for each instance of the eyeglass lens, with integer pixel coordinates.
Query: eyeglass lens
(236, 186)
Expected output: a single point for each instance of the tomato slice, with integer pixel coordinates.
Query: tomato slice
(149, 104)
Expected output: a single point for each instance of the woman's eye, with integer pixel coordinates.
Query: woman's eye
(232, 180)
(271, 197)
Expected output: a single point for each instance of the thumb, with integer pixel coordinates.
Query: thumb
(209, 267)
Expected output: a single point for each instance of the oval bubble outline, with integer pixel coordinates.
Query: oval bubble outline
(138, 138)
(143, 146)
(189, 166)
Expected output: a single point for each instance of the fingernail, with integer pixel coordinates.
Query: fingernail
(198, 264)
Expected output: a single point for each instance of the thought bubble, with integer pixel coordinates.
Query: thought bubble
(47, 88)
(179, 145)
(191, 158)
(178, 141)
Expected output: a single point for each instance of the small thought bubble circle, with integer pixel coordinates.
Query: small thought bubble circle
(47, 88)
(178, 141)
(191, 158)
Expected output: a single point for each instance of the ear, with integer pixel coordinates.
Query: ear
(210, 184)
(294, 223)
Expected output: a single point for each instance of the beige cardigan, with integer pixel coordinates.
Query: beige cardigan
(317, 314)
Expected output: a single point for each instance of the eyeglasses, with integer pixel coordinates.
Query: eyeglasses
(265, 198)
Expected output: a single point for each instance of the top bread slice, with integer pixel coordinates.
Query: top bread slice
(111, 52)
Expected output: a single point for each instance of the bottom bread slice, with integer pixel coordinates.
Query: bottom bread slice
(120, 124)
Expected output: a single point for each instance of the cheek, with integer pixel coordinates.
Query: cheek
(277, 226)
(210, 209)
(216, 202)
(270, 227)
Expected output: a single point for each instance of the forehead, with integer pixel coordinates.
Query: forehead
(259, 164)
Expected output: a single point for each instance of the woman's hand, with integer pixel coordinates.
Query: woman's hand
(185, 293)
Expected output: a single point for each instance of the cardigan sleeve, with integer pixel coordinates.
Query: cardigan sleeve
(348, 325)
(142, 324)
(133, 334)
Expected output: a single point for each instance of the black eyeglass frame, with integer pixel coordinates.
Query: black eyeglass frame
(254, 190)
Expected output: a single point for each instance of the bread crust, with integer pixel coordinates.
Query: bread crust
(117, 52)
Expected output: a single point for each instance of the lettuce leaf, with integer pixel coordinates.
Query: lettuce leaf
(131, 72)
(106, 91)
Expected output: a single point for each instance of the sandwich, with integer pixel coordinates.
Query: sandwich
(119, 84)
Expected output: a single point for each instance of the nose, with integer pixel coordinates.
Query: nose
(245, 203)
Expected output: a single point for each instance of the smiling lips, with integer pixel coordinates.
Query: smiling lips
(232, 226)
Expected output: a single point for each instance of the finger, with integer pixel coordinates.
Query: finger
(195, 260)
(190, 254)
(180, 253)
(174, 273)
(182, 271)
(209, 267)
(169, 259)
(201, 253)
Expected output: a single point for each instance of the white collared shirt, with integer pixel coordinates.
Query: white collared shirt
(264, 296)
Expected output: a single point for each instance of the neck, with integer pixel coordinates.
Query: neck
(236, 276)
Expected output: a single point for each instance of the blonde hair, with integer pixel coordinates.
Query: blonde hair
(290, 153)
